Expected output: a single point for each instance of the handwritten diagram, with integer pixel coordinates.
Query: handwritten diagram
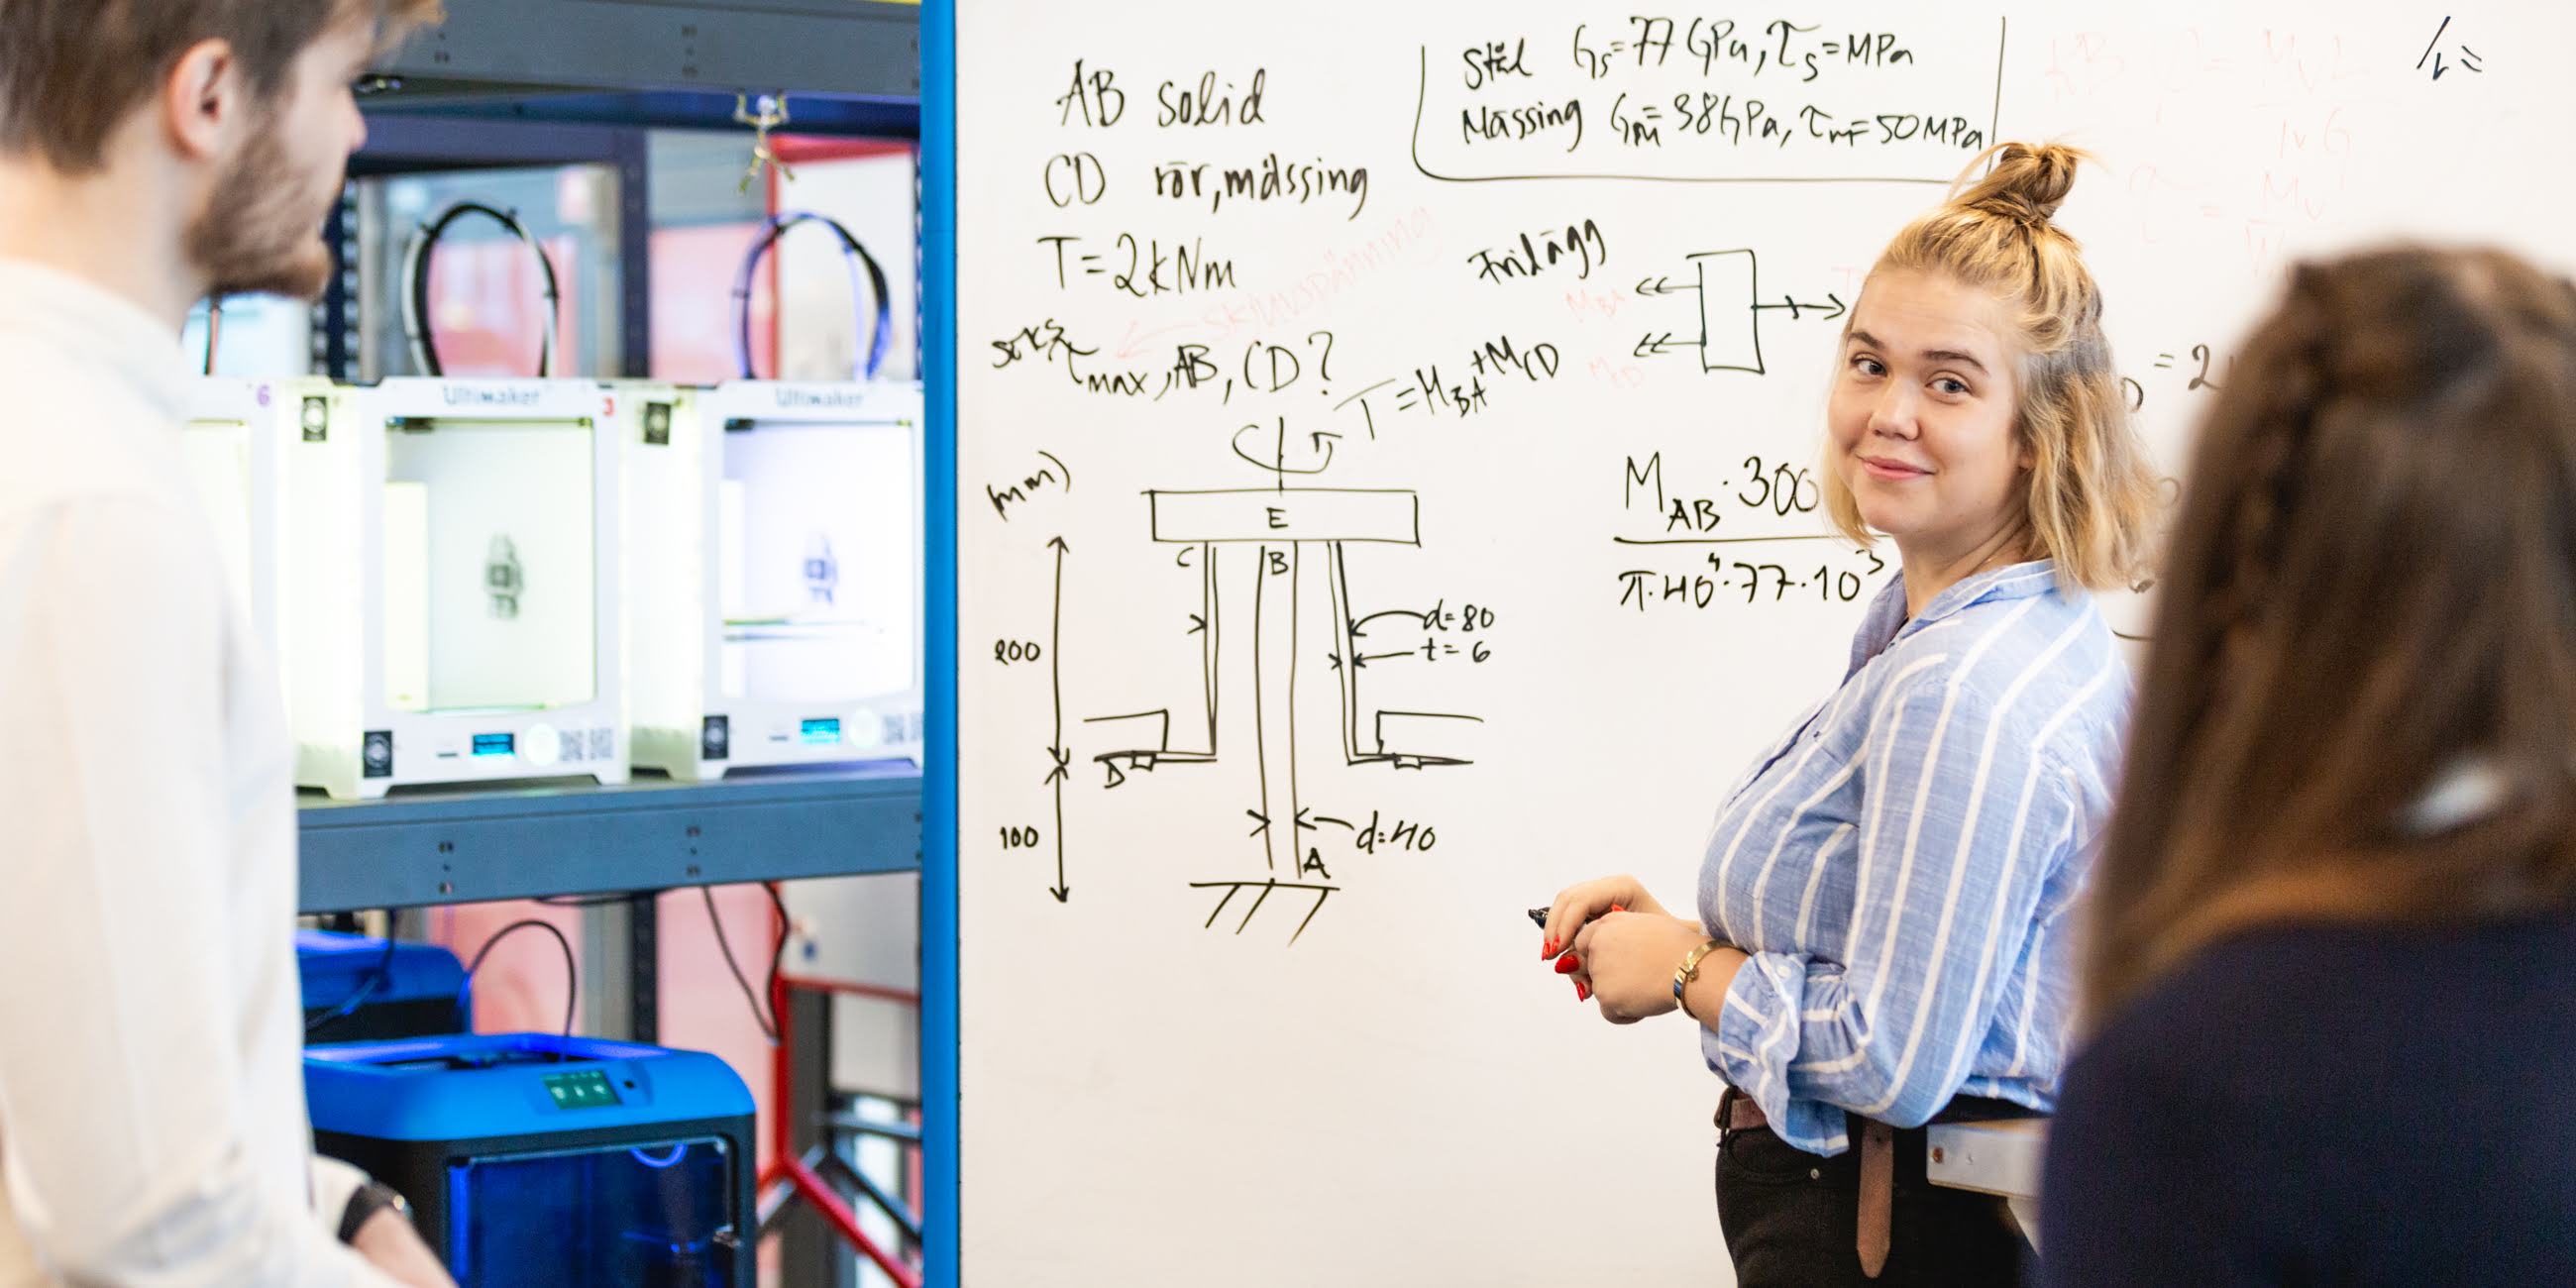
(1247, 686)
(1728, 286)
(1275, 533)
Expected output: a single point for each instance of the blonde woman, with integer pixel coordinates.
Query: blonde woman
(2331, 978)
(1880, 937)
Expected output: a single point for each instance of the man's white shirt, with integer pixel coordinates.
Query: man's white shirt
(152, 1119)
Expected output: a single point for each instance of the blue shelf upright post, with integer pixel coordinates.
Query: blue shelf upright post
(939, 1004)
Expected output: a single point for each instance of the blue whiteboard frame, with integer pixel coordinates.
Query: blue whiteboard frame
(939, 1009)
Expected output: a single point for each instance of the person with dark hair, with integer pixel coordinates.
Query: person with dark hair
(1880, 938)
(152, 1122)
(2330, 980)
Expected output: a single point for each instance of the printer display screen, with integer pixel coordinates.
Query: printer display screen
(581, 1089)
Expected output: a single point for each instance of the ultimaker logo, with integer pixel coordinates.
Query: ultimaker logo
(488, 396)
(790, 397)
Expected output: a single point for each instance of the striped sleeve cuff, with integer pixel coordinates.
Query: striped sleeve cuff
(1756, 1037)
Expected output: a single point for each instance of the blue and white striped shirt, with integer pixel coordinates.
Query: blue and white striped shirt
(1900, 866)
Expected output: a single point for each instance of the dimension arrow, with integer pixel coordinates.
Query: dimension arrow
(1359, 629)
(1058, 756)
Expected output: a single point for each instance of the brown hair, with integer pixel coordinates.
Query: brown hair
(2090, 494)
(2372, 588)
(71, 72)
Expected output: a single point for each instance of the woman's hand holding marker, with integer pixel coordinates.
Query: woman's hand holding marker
(1569, 928)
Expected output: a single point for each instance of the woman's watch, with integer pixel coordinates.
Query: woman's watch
(1690, 971)
(371, 1198)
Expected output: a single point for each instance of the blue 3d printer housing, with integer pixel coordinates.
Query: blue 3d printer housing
(542, 1160)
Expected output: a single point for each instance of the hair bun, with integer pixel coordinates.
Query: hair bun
(2028, 182)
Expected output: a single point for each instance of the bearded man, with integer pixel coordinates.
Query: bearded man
(152, 1122)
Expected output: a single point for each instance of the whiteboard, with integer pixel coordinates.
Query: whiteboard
(1385, 494)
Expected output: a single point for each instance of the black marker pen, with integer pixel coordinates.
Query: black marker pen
(1539, 915)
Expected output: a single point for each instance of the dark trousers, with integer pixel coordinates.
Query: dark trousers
(1791, 1218)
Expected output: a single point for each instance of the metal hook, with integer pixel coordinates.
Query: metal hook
(768, 113)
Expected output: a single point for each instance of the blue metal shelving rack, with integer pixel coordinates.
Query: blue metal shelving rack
(498, 83)
(508, 82)
(470, 846)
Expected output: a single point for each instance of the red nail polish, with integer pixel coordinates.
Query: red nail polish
(1550, 949)
(1618, 907)
(1568, 964)
(1581, 994)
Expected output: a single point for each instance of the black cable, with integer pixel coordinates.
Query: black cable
(724, 944)
(853, 254)
(415, 300)
(376, 979)
(768, 1022)
(572, 968)
(777, 951)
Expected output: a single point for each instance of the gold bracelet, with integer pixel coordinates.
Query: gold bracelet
(1690, 971)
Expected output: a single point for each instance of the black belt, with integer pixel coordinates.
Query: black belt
(1736, 1112)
